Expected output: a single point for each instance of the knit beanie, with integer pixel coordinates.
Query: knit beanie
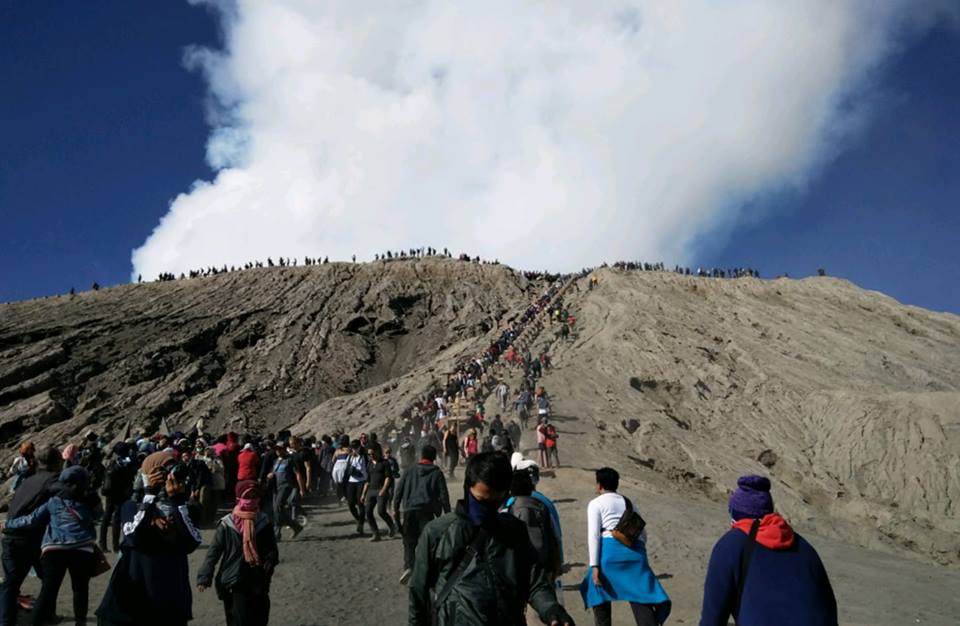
(70, 452)
(752, 498)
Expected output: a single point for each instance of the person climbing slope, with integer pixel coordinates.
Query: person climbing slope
(761, 571)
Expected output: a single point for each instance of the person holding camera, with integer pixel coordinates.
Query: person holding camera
(618, 568)
(150, 585)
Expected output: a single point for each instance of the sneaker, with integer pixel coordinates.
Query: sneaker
(302, 520)
(360, 528)
(297, 530)
(375, 538)
(405, 577)
(392, 532)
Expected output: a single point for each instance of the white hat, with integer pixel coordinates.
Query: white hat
(517, 462)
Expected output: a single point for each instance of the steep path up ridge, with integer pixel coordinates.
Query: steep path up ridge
(378, 409)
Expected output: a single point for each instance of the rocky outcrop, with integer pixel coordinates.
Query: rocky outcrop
(253, 349)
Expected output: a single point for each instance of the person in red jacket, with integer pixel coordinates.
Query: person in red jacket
(248, 464)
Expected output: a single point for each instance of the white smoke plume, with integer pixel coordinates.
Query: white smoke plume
(545, 134)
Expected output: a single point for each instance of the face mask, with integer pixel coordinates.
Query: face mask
(249, 505)
(480, 513)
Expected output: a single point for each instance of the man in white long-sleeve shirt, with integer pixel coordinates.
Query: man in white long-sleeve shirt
(603, 514)
(617, 571)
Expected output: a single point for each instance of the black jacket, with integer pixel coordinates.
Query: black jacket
(150, 585)
(423, 487)
(33, 493)
(497, 585)
(235, 573)
(118, 481)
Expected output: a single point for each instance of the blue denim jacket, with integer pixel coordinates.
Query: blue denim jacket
(70, 524)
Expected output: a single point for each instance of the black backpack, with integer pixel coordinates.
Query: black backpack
(630, 526)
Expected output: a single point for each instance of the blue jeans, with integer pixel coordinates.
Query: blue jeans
(285, 504)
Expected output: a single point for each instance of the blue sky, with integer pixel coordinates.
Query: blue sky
(101, 127)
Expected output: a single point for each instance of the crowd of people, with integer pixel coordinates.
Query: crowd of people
(161, 485)
(712, 272)
(426, 251)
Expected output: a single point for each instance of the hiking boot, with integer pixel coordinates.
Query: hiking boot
(405, 576)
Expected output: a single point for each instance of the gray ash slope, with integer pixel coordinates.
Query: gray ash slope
(847, 399)
(256, 349)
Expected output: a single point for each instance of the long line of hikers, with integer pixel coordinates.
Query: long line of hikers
(482, 557)
(430, 252)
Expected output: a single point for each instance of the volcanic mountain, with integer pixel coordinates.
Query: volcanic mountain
(847, 399)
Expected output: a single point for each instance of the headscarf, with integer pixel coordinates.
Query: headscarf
(155, 461)
(244, 518)
(70, 453)
(74, 481)
(151, 464)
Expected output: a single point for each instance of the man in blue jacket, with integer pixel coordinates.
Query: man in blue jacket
(779, 579)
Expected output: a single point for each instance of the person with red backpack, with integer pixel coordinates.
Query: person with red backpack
(550, 441)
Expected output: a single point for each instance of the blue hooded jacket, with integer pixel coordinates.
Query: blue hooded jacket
(786, 583)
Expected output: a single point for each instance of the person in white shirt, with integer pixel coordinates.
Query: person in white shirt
(357, 479)
(617, 571)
